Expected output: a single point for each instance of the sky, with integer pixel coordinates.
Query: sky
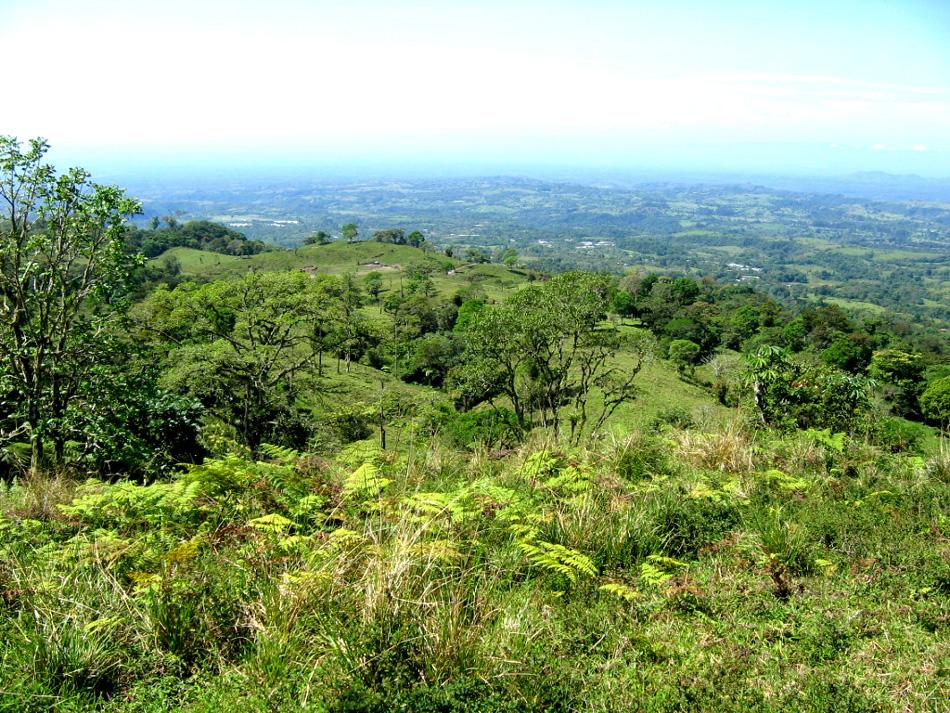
(822, 86)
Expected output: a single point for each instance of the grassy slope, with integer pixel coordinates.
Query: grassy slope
(661, 387)
(694, 572)
(712, 569)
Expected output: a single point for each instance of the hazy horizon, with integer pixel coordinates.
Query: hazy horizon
(805, 88)
(805, 167)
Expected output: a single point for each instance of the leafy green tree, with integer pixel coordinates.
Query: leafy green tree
(246, 348)
(63, 264)
(789, 394)
(319, 238)
(794, 334)
(825, 324)
(850, 353)
(467, 312)
(124, 421)
(902, 376)
(390, 235)
(745, 322)
(373, 284)
(623, 303)
(684, 354)
(769, 376)
(935, 401)
(350, 231)
(684, 290)
(544, 349)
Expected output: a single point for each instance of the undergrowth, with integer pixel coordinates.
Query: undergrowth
(659, 571)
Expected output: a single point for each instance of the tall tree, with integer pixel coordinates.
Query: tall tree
(350, 231)
(246, 348)
(62, 261)
(545, 350)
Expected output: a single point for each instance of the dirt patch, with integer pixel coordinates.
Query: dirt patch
(377, 266)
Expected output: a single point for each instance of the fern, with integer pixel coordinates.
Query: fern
(343, 537)
(282, 455)
(307, 507)
(654, 576)
(786, 482)
(365, 481)
(185, 551)
(558, 558)
(620, 590)
(126, 504)
(833, 441)
(539, 464)
(437, 549)
(271, 523)
(359, 452)
(571, 480)
(221, 476)
(656, 570)
(438, 503)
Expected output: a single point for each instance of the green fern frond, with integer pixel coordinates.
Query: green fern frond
(126, 504)
(655, 569)
(786, 482)
(621, 590)
(572, 480)
(438, 503)
(438, 550)
(667, 562)
(185, 551)
(222, 475)
(523, 530)
(539, 464)
(308, 506)
(365, 480)
(281, 454)
(271, 523)
(359, 452)
(558, 558)
(431, 503)
(343, 538)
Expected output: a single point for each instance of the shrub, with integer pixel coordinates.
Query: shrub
(898, 435)
(676, 417)
(495, 428)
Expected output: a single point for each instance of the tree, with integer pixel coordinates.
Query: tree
(685, 290)
(545, 350)
(901, 374)
(373, 284)
(246, 348)
(684, 354)
(350, 231)
(62, 265)
(793, 394)
(935, 401)
(319, 238)
(390, 235)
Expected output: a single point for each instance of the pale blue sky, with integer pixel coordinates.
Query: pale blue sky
(600, 81)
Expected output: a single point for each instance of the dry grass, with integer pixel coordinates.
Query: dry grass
(731, 449)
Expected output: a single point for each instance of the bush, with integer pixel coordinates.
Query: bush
(641, 456)
(898, 435)
(495, 428)
(675, 417)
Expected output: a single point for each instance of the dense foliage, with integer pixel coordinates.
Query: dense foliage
(198, 234)
(351, 478)
(698, 571)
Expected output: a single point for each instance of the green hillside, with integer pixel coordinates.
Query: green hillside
(368, 477)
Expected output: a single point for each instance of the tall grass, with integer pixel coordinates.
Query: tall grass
(662, 572)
